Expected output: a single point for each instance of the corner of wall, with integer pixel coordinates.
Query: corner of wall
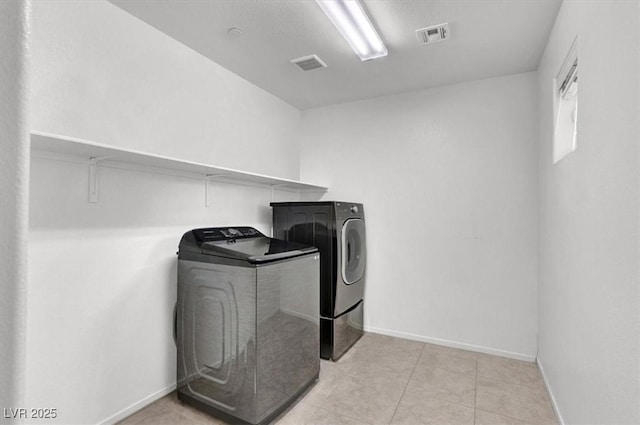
(14, 186)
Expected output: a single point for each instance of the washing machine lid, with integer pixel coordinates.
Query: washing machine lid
(248, 244)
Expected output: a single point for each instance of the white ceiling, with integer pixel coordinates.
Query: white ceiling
(489, 38)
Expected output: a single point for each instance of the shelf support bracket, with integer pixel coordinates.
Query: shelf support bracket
(206, 186)
(276, 186)
(94, 177)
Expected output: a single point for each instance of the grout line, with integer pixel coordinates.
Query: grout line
(507, 416)
(500, 383)
(348, 373)
(539, 386)
(435, 397)
(475, 391)
(341, 378)
(409, 380)
(451, 371)
(343, 415)
(310, 416)
(536, 388)
(432, 397)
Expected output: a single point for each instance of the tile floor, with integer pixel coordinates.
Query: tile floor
(385, 380)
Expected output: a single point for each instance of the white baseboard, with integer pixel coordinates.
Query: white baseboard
(453, 344)
(551, 396)
(138, 405)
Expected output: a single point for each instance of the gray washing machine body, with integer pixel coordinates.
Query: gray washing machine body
(246, 323)
(337, 229)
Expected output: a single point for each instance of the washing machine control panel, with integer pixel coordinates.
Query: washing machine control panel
(215, 234)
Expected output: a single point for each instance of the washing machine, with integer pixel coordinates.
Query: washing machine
(247, 325)
(337, 229)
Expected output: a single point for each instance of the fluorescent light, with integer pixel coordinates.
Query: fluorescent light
(354, 25)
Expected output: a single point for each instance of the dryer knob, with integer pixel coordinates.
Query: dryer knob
(353, 209)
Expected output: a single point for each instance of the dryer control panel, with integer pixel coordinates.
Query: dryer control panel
(347, 210)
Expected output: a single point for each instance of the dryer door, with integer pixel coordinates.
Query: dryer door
(353, 250)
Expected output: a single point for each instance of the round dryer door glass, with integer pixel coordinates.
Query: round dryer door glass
(353, 251)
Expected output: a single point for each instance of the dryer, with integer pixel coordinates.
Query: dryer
(337, 229)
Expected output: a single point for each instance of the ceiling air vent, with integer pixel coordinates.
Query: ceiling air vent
(433, 34)
(308, 63)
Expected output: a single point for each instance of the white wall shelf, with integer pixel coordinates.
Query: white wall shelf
(96, 155)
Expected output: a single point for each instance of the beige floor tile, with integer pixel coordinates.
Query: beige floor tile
(382, 359)
(385, 371)
(330, 368)
(383, 379)
(444, 385)
(415, 409)
(171, 403)
(448, 358)
(323, 388)
(522, 402)
(357, 398)
(327, 417)
(158, 414)
(298, 414)
(454, 352)
(488, 418)
(385, 346)
(136, 417)
(348, 360)
(356, 356)
(342, 365)
(509, 371)
(374, 347)
(169, 418)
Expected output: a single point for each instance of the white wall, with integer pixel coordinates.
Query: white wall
(589, 293)
(100, 74)
(14, 193)
(448, 180)
(103, 276)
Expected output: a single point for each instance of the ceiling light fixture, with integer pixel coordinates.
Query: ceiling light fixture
(349, 18)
